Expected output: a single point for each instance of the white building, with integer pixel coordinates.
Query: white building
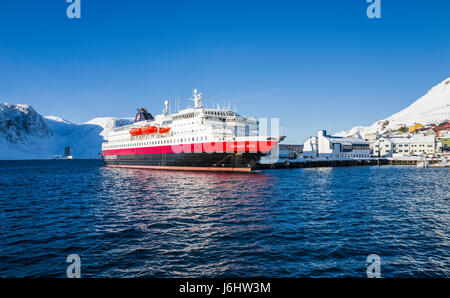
(407, 146)
(371, 136)
(383, 147)
(443, 142)
(325, 146)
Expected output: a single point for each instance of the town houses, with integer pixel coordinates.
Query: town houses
(415, 140)
(406, 146)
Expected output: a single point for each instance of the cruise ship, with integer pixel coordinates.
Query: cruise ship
(193, 139)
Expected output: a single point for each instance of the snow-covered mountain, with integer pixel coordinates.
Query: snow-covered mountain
(19, 123)
(24, 134)
(432, 108)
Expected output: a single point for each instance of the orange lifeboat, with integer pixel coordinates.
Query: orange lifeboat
(136, 131)
(149, 129)
(164, 129)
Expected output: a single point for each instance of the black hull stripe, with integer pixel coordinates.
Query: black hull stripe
(186, 160)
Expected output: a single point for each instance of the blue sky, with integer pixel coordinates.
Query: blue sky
(314, 64)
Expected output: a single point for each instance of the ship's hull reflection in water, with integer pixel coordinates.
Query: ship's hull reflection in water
(188, 216)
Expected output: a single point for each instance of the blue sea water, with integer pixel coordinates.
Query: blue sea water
(318, 222)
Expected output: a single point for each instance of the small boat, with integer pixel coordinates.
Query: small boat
(149, 130)
(443, 164)
(422, 164)
(164, 129)
(135, 131)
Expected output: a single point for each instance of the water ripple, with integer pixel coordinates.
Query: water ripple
(320, 222)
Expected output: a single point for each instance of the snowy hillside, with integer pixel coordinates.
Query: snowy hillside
(22, 128)
(19, 123)
(84, 140)
(24, 134)
(432, 108)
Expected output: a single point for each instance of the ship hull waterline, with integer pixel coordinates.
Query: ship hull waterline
(220, 162)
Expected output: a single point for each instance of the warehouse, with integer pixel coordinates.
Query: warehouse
(325, 146)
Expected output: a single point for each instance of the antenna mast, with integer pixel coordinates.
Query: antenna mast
(197, 99)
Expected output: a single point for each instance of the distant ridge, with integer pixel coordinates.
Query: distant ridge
(20, 123)
(432, 108)
(25, 134)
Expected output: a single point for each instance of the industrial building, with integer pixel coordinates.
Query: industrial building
(326, 146)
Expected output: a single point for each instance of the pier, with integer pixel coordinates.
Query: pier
(402, 161)
(313, 163)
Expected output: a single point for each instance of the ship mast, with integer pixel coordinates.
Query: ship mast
(197, 99)
(166, 108)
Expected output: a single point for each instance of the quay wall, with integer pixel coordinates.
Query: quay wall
(312, 163)
(323, 163)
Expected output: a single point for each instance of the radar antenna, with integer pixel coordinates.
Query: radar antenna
(166, 108)
(197, 99)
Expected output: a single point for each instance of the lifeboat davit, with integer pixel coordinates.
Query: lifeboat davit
(149, 129)
(136, 131)
(164, 129)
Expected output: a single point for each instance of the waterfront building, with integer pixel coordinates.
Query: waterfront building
(416, 145)
(310, 148)
(326, 146)
(406, 146)
(290, 151)
(383, 147)
(443, 141)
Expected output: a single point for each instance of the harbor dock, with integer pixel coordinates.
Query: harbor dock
(281, 163)
(313, 163)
